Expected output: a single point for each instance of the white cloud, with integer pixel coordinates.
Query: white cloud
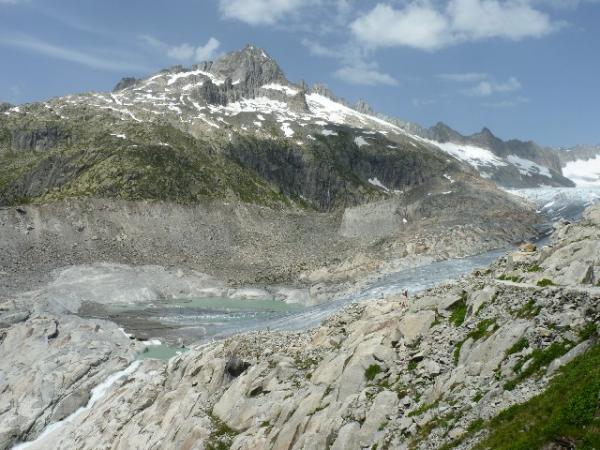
(418, 25)
(258, 12)
(354, 68)
(427, 26)
(184, 52)
(483, 19)
(486, 88)
(364, 75)
(320, 50)
(86, 58)
(187, 52)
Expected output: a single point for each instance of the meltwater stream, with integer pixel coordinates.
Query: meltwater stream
(201, 320)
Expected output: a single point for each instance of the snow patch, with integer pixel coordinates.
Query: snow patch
(527, 167)
(285, 127)
(327, 132)
(475, 156)
(584, 173)
(289, 91)
(360, 141)
(449, 178)
(375, 182)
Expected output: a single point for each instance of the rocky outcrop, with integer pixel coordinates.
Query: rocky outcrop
(124, 83)
(49, 365)
(376, 374)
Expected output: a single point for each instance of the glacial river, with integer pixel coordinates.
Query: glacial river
(202, 320)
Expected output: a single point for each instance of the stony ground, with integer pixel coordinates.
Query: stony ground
(378, 375)
(238, 243)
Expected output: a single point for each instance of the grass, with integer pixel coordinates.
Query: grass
(459, 311)
(372, 371)
(456, 355)
(521, 344)
(476, 425)
(540, 358)
(590, 330)
(483, 329)
(423, 408)
(513, 278)
(545, 282)
(533, 268)
(221, 435)
(566, 413)
(528, 311)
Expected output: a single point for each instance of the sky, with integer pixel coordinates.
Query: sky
(526, 69)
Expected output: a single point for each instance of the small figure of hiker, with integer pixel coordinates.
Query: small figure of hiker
(405, 296)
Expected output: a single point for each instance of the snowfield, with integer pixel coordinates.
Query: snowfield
(584, 173)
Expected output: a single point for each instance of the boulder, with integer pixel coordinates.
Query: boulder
(528, 247)
(13, 317)
(414, 325)
(235, 366)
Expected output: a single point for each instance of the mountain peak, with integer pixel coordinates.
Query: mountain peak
(251, 65)
(485, 131)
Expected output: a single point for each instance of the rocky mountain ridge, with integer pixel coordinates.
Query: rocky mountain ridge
(240, 117)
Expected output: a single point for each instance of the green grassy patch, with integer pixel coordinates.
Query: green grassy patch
(545, 282)
(459, 311)
(521, 344)
(533, 268)
(567, 412)
(590, 330)
(483, 329)
(423, 409)
(221, 435)
(372, 371)
(456, 354)
(513, 278)
(540, 358)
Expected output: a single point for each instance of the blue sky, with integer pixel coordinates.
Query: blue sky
(527, 69)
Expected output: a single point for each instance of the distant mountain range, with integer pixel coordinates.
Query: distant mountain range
(237, 128)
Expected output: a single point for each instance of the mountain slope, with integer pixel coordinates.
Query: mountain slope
(230, 129)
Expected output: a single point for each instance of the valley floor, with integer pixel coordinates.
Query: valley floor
(383, 373)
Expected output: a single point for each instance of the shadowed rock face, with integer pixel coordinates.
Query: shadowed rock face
(124, 84)
(5, 106)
